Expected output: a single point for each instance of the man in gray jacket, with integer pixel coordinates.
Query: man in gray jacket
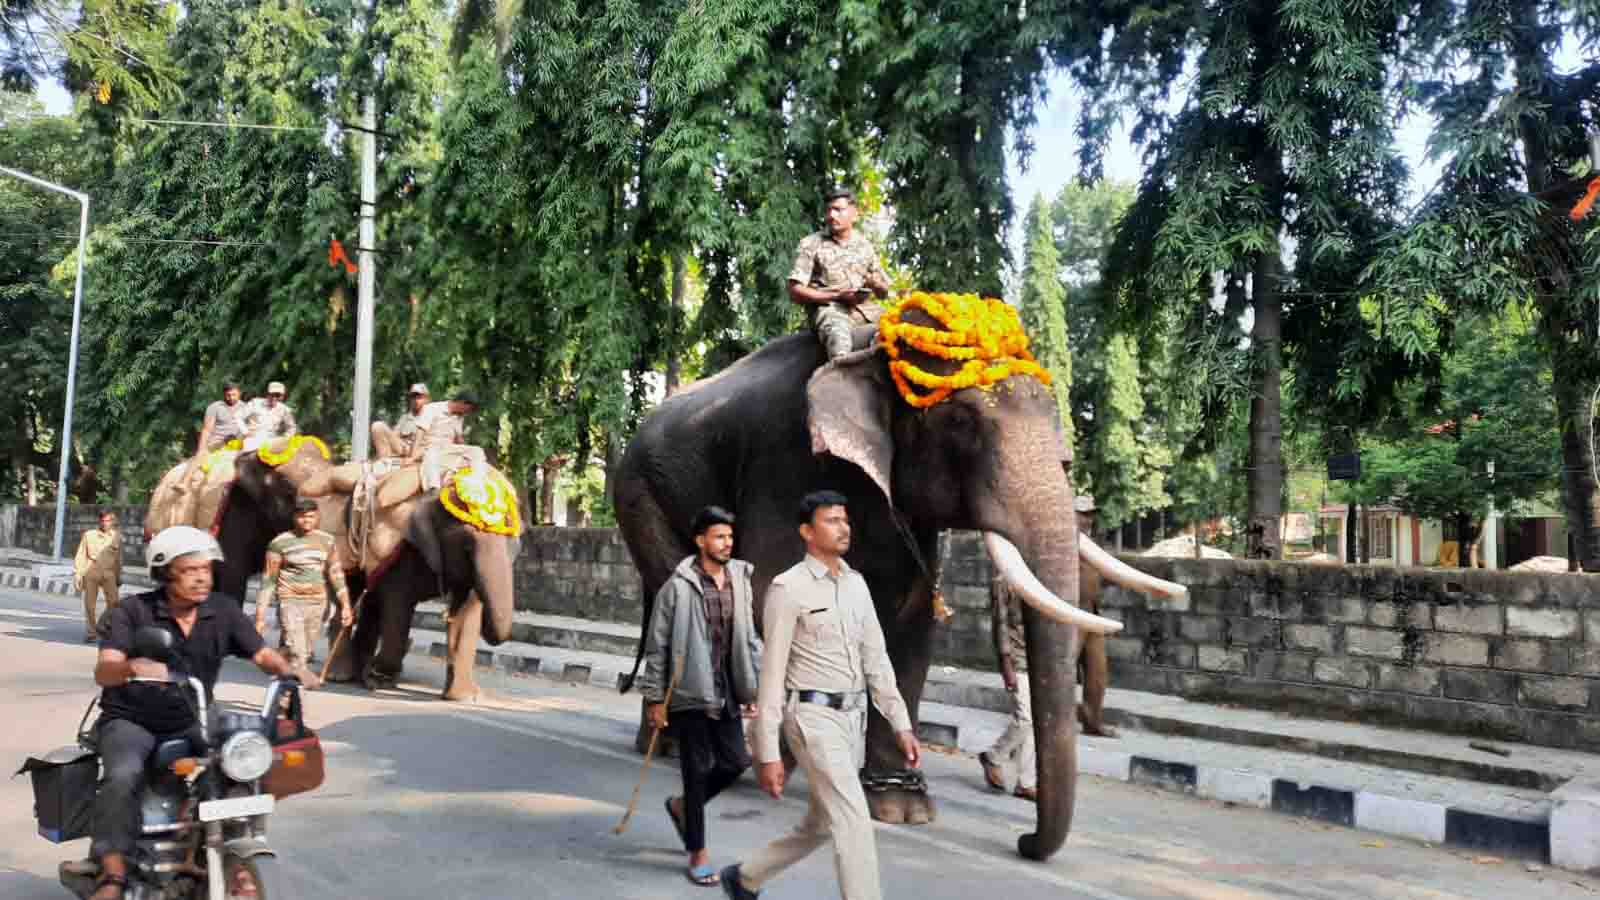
(703, 621)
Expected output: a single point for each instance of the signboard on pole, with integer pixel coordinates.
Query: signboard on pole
(1344, 467)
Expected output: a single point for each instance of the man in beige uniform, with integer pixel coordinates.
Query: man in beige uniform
(96, 568)
(836, 273)
(825, 657)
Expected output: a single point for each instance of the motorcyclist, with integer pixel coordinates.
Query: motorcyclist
(136, 717)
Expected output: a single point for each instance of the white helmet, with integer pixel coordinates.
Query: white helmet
(179, 540)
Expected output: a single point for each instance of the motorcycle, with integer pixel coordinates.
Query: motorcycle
(208, 794)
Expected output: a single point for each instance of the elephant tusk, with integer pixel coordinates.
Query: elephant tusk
(1008, 561)
(1119, 572)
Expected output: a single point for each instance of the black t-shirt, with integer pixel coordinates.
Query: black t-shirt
(220, 630)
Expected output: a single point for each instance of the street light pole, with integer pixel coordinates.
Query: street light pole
(72, 357)
(366, 283)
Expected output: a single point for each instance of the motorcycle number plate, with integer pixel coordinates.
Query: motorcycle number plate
(236, 808)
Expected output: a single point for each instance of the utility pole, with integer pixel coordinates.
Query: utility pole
(367, 281)
(72, 355)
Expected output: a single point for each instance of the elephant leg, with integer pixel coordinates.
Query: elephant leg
(910, 649)
(395, 636)
(1094, 674)
(462, 626)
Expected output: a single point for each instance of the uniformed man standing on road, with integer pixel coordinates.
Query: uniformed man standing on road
(96, 569)
(300, 566)
(825, 656)
(837, 272)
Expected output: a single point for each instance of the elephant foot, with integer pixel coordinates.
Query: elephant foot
(459, 689)
(901, 807)
(376, 679)
(1094, 725)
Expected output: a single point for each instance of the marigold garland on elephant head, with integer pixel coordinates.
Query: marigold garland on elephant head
(985, 335)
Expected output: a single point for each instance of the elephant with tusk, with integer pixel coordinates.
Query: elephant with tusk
(758, 436)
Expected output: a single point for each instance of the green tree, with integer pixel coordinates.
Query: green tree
(112, 50)
(1044, 314)
(1123, 460)
(1496, 232)
(1285, 132)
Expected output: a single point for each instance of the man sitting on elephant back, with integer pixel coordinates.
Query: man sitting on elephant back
(300, 565)
(837, 271)
(397, 442)
(269, 417)
(224, 422)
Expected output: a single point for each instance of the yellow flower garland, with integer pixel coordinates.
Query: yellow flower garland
(986, 334)
(266, 454)
(229, 449)
(483, 499)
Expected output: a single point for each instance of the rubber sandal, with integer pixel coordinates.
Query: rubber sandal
(677, 823)
(703, 875)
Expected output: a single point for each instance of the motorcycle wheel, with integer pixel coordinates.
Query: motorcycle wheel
(254, 878)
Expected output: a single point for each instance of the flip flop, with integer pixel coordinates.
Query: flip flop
(703, 875)
(677, 823)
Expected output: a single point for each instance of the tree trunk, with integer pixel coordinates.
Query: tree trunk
(549, 471)
(1265, 498)
(1350, 534)
(1580, 494)
(680, 287)
(1366, 534)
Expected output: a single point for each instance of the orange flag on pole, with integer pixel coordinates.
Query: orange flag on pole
(337, 255)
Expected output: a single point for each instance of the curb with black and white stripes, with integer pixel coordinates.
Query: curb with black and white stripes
(1406, 817)
(31, 582)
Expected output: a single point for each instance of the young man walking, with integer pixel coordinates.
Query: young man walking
(703, 620)
(825, 656)
(299, 568)
(96, 569)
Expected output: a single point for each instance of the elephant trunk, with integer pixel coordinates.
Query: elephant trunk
(1042, 572)
(493, 582)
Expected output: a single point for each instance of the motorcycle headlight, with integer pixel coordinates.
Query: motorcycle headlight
(246, 756)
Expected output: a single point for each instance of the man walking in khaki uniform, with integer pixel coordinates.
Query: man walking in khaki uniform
(96, 568)
(825, 657)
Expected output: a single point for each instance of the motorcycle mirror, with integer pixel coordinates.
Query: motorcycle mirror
(153, 642)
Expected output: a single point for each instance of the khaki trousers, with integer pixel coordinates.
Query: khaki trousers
(830, 746)
(94, 583)
(300, 623)
(1015, 745)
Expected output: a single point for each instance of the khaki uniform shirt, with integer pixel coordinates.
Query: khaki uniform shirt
(822, 634)
(406, 430)
(99, 552)
(436, 426)
(266, 423)
(822, 262)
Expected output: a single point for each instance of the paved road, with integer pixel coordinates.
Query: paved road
(516, 798)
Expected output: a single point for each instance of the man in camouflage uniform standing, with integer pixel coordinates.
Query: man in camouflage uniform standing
(300, 566)
(837, 271)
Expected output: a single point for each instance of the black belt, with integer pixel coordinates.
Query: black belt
(832, 701)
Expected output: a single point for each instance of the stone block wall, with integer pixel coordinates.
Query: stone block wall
(1501, 655)
(34, 528)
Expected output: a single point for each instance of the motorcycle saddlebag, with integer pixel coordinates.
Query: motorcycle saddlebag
(64, 783)
(283, 779)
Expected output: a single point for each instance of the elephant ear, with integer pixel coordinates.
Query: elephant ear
(848, 413)
(421, 531)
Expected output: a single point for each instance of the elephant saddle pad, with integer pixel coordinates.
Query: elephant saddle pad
(194, 492)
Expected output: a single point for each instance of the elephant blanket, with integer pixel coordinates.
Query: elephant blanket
(182, 498)
(379, 513)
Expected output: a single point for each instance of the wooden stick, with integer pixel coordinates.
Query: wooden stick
(649, 751)
(333, 649)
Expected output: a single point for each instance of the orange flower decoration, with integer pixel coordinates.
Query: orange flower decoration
(986, 334)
